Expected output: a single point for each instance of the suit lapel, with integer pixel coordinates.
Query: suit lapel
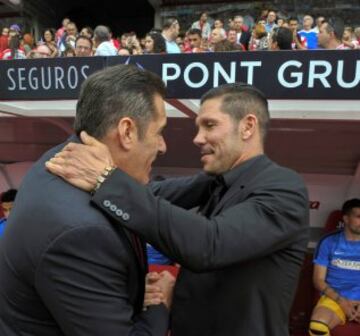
(238, 190)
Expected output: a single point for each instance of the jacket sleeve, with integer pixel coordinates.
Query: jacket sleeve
(82, 279)
(185, 192)
(266, 221)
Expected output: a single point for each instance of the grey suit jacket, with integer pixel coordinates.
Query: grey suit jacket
(240, 267)
(67, 269)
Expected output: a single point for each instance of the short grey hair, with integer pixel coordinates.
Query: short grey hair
(102, 33)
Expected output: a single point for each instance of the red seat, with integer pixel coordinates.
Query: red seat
(349, 329)
(333, 222)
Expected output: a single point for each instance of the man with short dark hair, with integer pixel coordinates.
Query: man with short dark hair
(170, 31)
(194, 38)
(83, 46)
(337, 274)
(242, 36)
(330, 35)
(281, 39)
(242, 252)
(66, 269)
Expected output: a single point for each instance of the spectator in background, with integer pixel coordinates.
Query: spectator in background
(232, 36)
(259, 38)
(242, 37)
(226, 45)
(217, 35)
(281, 39)
(27, 43)
(299, 42)
(309, 33)
(195, 40)
(218, 23)
(357, 35)
(104, 46)
(14, 51)
(330, 35)
(203, 25)
(61, 31)
(87, 32)
(7, 202)
(180, 42)
(83, 46)
(349, 39)
(69, 37)
(337, 274)
(14, 30)
(319, 21)
(4, 39)
(154, 44)
(170, 32)
(270, 21)
(41, 51)
(49, 40)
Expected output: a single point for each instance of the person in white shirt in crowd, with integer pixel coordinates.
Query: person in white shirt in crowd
(170, 32)
(330, 35)
(319, 21)
(104, 47)
(270, 21)
(203, 25)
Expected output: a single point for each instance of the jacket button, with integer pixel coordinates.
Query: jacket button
(113, 207)
(119, 212)
(125, 216)
(106, 203)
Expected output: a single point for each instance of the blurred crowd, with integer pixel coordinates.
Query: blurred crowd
(271, 31)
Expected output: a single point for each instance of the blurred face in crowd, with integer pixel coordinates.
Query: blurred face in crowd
(71, 29)
(149, 44)
(43, 51)
(307, 22)
(293, 25)
(319, 21)
(271, 17)
(262, 22)
(83, 48)
(85, 32)
(232, 36)
(5, 31)
(238, 23)
(65, 22)
(218, 24)
(347, 36)
(216, 36)
(203, 17)
(175, 29)
(194, 40)
(48, 36)
(324, 37)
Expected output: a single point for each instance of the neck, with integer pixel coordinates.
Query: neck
(250, 152)
(350, 235)
(333, 44)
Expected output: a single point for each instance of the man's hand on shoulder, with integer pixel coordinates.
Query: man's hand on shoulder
(81, 164)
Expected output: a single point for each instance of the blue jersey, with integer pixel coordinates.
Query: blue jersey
(311, 38)
(342, 259)
(2, 226)
(155, 257)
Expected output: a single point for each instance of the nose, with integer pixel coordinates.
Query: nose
(199, 138)
(162, 146)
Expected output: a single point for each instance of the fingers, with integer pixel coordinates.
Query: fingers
(89, 140)
(152, 277)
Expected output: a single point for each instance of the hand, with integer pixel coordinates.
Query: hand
(81, 164)
(153, 293)
(357, 314)
(348, 308)
(166, 282)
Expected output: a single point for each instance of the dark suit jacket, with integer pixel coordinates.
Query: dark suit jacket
(245, 39)
(66, 269)
(240, 267)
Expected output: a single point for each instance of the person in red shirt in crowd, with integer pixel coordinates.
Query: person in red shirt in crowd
(4, 39)
(14, 51)
(61, 31)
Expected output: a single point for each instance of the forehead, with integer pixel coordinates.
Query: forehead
(211, 109)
